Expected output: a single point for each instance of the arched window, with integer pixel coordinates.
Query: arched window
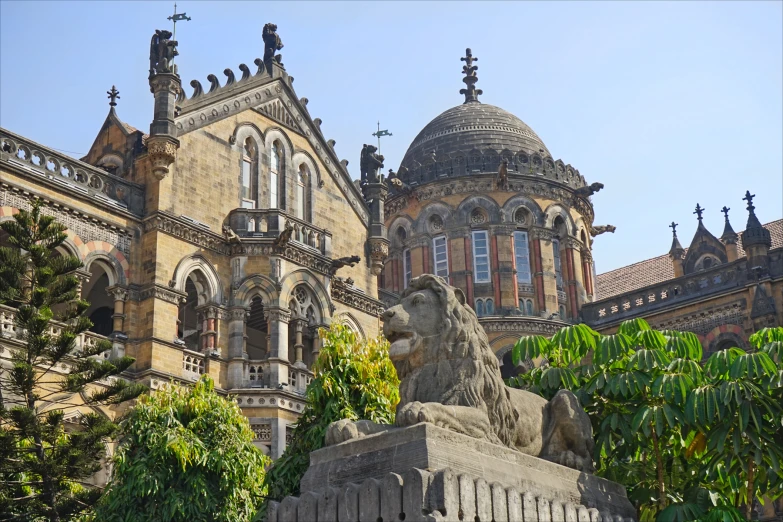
(275, 166)
(256, 330)
(189, 319)
(479, 307)
(302, 194)
(440, 256)
(249, 175)
(558, 267)
(101, 304)
(489, 306)
(562, 312)
(529, 307)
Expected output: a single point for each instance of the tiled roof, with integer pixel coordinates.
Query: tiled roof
(659, 269)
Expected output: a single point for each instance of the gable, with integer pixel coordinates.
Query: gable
(274, 98)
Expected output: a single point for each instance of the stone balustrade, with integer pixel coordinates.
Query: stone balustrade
(69, 175)
(270, 223)
(719, 279)
(424, 496)
(10, 331)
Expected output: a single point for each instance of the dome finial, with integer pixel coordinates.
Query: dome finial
(470, 79)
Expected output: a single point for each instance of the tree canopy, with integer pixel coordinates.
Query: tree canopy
(185, 454)
(353, 380)
(55, 375)
(688, 441)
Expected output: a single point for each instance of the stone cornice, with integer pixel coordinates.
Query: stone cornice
(521, 324)
(484, 184)
(355, 299)
(185, 230)
(161, 292)
(87, 227)
(291, 252)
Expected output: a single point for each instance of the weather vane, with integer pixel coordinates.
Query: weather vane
(177, 18)
(379, 134)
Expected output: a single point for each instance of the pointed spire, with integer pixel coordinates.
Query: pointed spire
(470, 79)
(676, 250)
(728, 236)
(754, 234)
(114, 95)
(699, 211)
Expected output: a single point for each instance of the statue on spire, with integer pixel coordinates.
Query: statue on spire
(162, 53)
(470, 79)
(272, 43)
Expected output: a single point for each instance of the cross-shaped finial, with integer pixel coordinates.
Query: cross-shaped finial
(114, 95)
(749, 198)
(725, 211)
(470, 79)
(673, 226)
(699, 211)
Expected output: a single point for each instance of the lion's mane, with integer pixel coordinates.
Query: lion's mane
(460, 368)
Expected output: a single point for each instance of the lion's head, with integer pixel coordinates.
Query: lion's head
(442, 353)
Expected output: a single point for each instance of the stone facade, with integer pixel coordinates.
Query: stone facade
(208, 243)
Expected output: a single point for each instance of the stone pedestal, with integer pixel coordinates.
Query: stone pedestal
(429, 473)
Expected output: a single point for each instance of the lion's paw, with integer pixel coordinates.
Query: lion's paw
(416, 412)
(571, 460)
(341, 431)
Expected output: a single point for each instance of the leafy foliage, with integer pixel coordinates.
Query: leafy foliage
(689, 442)
(186, 454)
(43, 465)
(353, 380)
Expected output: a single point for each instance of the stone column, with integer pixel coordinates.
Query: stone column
(236, 347)
(544, 276)
(506, 294)
(162, 143)
(572, 273)
(299, 325)
(208, 339)
(278, 347)
(316, 342)
(587, 273)
(120, 295)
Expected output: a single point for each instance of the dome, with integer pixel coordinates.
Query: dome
(470, 126)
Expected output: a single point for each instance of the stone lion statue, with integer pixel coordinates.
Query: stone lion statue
(450, 377)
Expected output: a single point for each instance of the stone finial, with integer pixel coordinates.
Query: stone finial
(755, 233)
(114, 95)
(728, 236)
(470, 79)
(676, 250)
(699, 211)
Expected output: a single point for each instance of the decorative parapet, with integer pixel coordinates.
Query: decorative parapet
(521, 325)
(66, 174)
(721, 279)
(349, 296)
(426, 496)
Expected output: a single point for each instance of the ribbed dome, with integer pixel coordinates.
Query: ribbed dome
(471, 126)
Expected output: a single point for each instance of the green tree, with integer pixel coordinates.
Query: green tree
(353, 380)
(185, 454)
(43, 466)
(686, 442)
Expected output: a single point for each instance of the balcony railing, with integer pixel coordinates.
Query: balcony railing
(63, 172)
(9, 330)
(270, 223)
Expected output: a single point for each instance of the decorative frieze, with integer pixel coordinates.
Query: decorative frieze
(86, 227)
(520, 324)
(163, 293)
(349, 296)
(704, 321)
(186, 231)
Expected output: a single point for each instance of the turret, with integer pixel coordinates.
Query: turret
(676, 252)
(756, 239)
(729, 237)
(166, 86)
(375, 191)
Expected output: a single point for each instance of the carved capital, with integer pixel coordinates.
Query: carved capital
(237, 314)
(277, 315)
(166, 82)
(379, 251)
(570, 242)
(542, 233)
(119, 293)
(163, 293)
(162, 151)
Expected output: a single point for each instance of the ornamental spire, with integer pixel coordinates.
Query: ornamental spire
(114, 95)
(676, 250)
(699, 211)
(728, 232)
(470, 79)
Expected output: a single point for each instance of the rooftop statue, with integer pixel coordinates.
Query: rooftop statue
(369, 163)
(162, 52)
(451, 378)
(272, 43)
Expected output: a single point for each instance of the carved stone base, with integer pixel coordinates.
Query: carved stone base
(382, 474)
(379, 251)
(162, 151)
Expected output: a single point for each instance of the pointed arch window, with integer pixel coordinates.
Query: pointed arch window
(249, 174)
(274, 175)
(302, 192)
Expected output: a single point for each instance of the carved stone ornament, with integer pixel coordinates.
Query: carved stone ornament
(162, 152)
(277, 315)
(379, 251)
(166, 82)
(161, 292)
(341, 291)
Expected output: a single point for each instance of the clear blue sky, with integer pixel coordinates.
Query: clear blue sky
(666, 103)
